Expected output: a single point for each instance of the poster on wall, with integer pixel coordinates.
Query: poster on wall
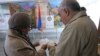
(53, 10)
(4, 16)
(49, 21)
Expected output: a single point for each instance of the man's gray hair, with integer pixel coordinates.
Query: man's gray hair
(73, 5)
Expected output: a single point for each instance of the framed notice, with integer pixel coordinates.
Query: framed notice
(49, 21)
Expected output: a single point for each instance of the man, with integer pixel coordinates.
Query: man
(79, 35)
(17, 42)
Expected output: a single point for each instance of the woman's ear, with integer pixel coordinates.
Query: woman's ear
(67, 11)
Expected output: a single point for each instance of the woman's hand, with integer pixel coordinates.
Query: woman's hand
(36, 44)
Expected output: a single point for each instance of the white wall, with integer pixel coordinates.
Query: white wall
(93, 9)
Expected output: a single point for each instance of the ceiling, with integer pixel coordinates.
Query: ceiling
(86, 2)
(6, 1)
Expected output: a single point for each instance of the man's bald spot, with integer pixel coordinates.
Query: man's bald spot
(72, 4)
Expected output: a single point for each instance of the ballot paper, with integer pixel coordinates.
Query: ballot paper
(51, 43)
(42, 42)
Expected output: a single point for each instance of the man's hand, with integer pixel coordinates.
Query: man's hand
(44, 46)
(51, 45)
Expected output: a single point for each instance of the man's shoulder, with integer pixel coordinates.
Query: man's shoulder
(82, 21)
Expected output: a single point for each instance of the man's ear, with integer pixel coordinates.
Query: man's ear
(67, 11)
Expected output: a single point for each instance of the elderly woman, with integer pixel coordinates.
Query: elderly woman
(17, 42)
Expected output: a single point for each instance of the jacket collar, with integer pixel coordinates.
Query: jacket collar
(77, 16)
(14, 33)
